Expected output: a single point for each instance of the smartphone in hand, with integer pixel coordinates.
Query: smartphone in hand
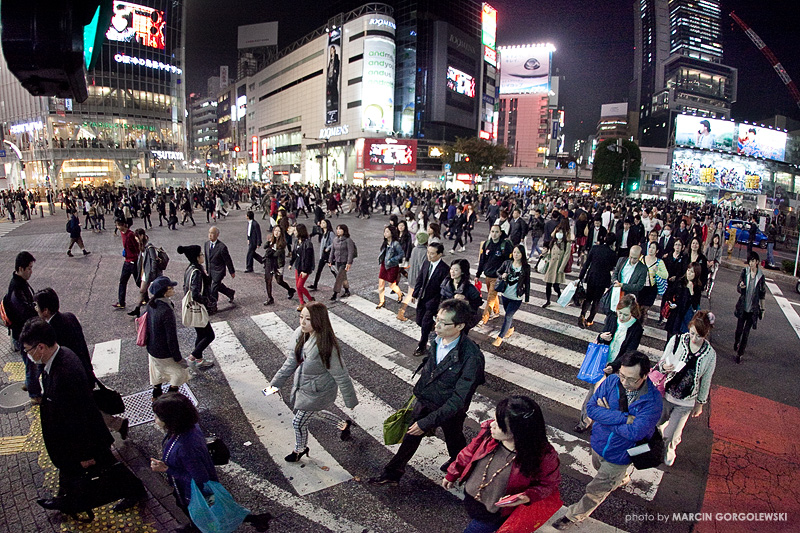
(505, 500)
(270, 390)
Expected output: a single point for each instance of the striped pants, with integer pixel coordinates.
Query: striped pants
(300, 424)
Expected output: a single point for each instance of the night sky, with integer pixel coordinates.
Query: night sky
(593, 39)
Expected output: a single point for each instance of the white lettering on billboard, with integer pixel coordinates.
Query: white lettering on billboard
(525, 69)
(377, 98)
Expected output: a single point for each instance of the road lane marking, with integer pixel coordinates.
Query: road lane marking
(269, 416)
(785, 306)
(105, 358)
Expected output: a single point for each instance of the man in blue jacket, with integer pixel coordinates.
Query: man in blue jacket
(614, 432)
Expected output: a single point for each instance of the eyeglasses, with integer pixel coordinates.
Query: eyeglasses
(629, 380)
(441, 322)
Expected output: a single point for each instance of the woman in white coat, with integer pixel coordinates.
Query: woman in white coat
(319, 372)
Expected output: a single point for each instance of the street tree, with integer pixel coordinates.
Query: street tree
(477, 156)
(610, 160)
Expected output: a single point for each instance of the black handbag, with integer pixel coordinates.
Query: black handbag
(98, 486)
(604, 305)
(655, 455)
(500, 285)
(580, 294)
(108, 400)
(220, 454)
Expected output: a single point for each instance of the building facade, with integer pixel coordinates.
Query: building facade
(131, 128)
(678, 66)
(613, 123)
(202, 134)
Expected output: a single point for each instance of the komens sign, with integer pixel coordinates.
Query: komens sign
(382, 23)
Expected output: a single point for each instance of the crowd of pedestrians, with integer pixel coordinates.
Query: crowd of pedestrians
(635, 251)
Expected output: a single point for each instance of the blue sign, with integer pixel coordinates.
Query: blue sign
(447, 167)
(127, 177)
(571, 165)
(2, 153)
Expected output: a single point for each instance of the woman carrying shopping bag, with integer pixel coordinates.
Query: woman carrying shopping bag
(196, 283)
(319, 372)
(186, 460)
(509, 469)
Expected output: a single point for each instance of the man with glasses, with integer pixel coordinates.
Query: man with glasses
(449, 375)
(615, 431)
(73, 430)
(427, 291)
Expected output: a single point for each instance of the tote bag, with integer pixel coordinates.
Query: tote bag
(396, 426)
(141, 330)
(525, 518)
(224, 515)
(567, 293)
(594, 362)
(193, 314)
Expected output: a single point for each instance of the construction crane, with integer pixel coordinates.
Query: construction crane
(761, 45)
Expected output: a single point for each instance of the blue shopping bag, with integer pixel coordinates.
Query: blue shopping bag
(594, 362)
(224, 515)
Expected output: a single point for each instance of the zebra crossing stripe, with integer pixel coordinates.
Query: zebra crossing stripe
(270, 418)
(105, 357)
(272, 493)
(575, 452)
(544, 385)
(371, 411)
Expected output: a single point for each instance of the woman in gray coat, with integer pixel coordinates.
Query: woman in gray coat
(319, 372)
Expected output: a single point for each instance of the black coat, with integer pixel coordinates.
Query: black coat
(254, 240)
(162, 330)
(600, 239)
(597, 268)
(632, 337)
(72, 427)
(217, 260)
(304, 257)
(69, 334)
(21, 304)
(427, 291)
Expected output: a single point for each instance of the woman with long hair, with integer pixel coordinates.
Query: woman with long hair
(390, 257)
(686, 389)
(676, 263)
(274, 263)
(434, 232)
(684, 301)
(343, 251)
(458, 286)
(303, 264)
(557, 255)
(516, 274)
(655, 269)
(325, 242)
(405, 238)
(196, 281)
(185, 457)
(509, 456)
(714, 256)
(319, 372)
(472, 218)
(695, 255)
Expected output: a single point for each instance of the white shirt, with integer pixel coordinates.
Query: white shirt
(433, 267)
(249, 227)
(627, 271)
(623, 243)
(608, 216)
(443, 349)
(49, 364)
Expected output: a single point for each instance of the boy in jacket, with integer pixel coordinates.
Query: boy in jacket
(614, 432)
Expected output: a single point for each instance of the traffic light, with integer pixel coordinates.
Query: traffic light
(633, 186)
(49, 44)
(236, 149)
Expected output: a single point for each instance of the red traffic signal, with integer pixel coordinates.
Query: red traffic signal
(235, 148)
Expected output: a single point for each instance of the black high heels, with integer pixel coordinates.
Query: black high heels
(345, 433)
(295, 456)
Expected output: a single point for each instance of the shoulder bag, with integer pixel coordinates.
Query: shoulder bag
(107, 400)
(193, 314)
(653, 457)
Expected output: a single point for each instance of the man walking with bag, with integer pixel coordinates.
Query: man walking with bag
(218, 260)
(449, 376)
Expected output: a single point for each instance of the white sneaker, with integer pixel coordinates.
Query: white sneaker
(669, 457)
(452, 252)
(462, 249)
(205, 363)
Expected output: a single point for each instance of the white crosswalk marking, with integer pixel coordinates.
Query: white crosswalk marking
(7, 226)
(644, 482)
(105, 358)
(271, 418)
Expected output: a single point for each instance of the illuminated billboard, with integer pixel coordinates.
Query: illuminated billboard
(460, 82)
(525, 69)
(720, 171)
(397, 155)
(761, 142)
(701, 132)
(333, 69)
(377, 97)
(489, 34)
(133, 23)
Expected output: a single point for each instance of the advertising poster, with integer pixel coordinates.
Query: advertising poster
(761, 142)
(703, 132)
(378, 85)
(332, 76)
(400, 155)
(132, 23)
(524, 70)
(460, 82)
(715, 170)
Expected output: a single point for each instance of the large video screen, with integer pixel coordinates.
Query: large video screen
(701, 132)
(524, 69)
(715, 170)
(761, 142)
(133, 23)
(400, 155)
(460, 82)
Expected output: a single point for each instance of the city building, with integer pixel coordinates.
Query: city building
(129, 130)
(678, 66)
(529, 120)
(202, 130)
(613, 123)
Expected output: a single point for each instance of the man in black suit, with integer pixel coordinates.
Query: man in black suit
(596, 233)
(69, 334)
(666, 242)
(218, 260)
(72, 427)
(253, 242)
(21, 308)
(427, 291)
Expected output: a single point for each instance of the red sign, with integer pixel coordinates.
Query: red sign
(255, 148)
(398, 155)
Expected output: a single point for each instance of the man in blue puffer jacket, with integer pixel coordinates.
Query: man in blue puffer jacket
(615, 431)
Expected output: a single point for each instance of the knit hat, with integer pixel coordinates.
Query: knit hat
(192, 252)
(422, 237)
(160, 285)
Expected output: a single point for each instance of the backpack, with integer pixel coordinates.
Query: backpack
(162, 259)
(6, 310)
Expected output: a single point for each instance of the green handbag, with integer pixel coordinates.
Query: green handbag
(396, 426)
